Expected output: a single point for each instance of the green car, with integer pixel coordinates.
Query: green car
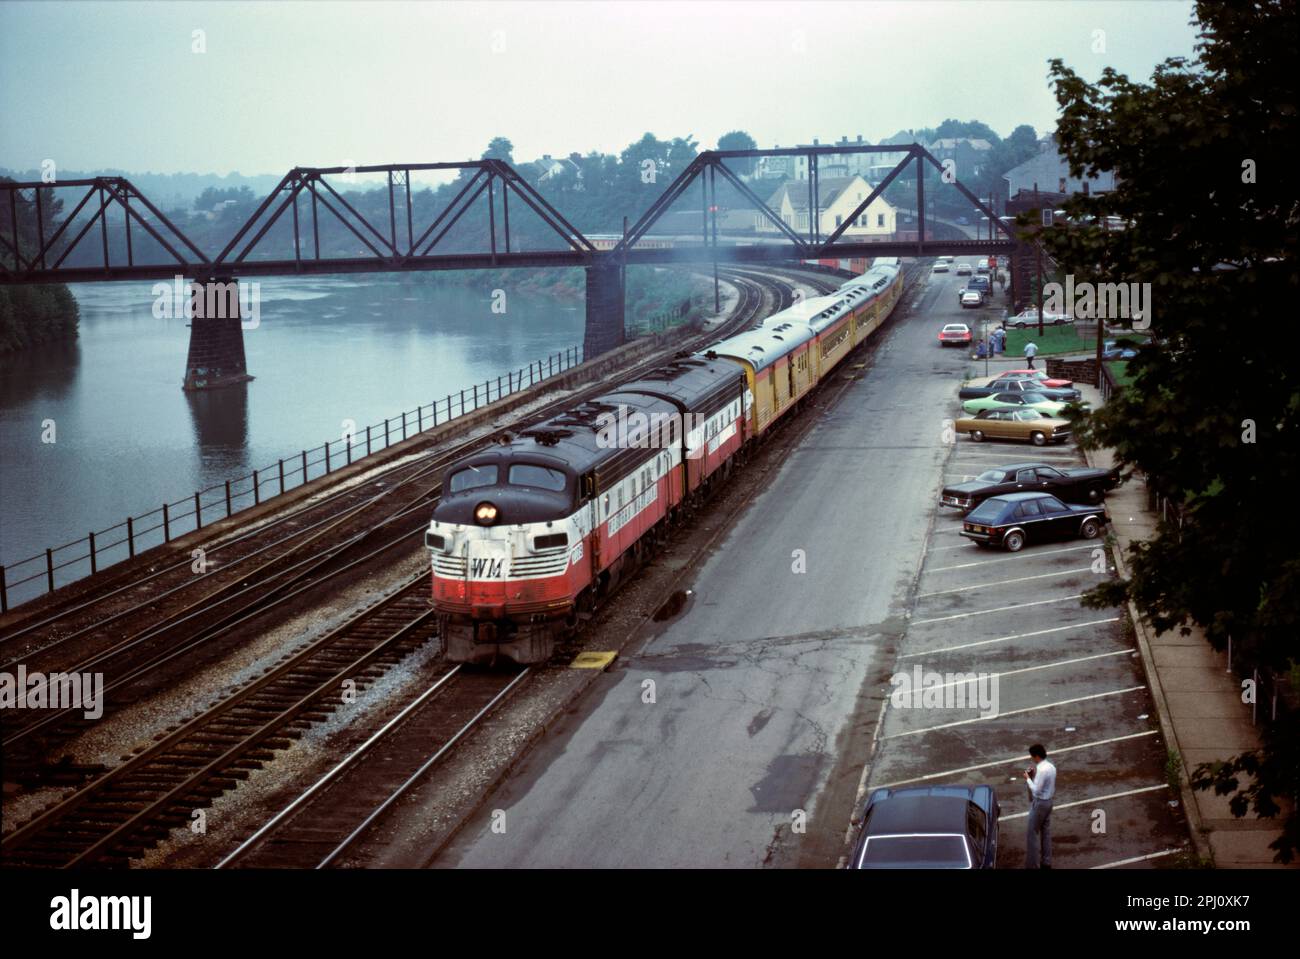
(1015, 401)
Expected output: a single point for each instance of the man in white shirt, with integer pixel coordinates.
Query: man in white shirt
(1031, 350)
(1041, 780)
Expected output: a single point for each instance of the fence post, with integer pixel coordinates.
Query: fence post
(327, 455)
(257, 495)
(475, 396)
(91, 536)
(304, 467)
(228, 510)
(368, 438)
(403, 425)
(167, 526)
(385, 432)
(130, 538)
(4, 593)
(462, 405)
(434, 405)
(198, 512)
(49, 568)
(419, 419)
(281, 477)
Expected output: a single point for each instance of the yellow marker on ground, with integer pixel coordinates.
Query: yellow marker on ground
(593, 660)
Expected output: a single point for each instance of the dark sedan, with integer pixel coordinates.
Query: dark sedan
(929, 827)
(1075, 484)
(1014, 519)
(972, 392)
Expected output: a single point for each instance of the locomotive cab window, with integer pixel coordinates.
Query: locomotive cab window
(542, 477)
(472, 477)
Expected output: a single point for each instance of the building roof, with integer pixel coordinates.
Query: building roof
(951, 143)
(828, 191)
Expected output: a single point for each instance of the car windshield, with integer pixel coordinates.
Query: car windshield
(1029, 415)
(954, 328)
(915, 852)
(526, 474)
(990, 476)
(472, 477)
(987, 511)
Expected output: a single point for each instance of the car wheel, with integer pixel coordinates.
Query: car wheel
(1094, 495)
(1090, 528)
(1020, 326)
(1014, 541)
(1038, 438)
(1056, 322)
(977, 436)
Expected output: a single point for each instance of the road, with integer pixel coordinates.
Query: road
(737, 733)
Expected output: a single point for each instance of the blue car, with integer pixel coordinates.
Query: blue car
(1014, 519)
(929, 827)
(1118, 350)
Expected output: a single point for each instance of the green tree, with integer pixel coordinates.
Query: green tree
(739, 140)
(1213, 409)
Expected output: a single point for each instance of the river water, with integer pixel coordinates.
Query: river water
(127, 438)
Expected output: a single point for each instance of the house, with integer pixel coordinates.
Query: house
(968, 153)
(1048, 172)
(831, 166)
(838, 197)
(550, 168)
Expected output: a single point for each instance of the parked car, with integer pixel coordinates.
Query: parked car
(1025, 385)
(1029, 317)
(1074, 484)
(1039, 375)
(1013, 520)
(982, 266)
(941, 267)
(963, 269)
(1118, 350)
(955, 334)
(1026, 424)
(1014, 401)
(971, 298)
(945, 259)
(929, 827)
(981, 283)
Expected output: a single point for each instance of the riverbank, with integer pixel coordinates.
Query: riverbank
(37, 315)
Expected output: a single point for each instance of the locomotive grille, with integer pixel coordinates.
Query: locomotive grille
(449, 567)
(552, 565)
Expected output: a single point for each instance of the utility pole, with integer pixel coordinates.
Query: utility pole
(1039, 250)
(1100, 323)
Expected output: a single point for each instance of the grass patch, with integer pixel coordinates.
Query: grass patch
(1119, 370)
(1055, 339)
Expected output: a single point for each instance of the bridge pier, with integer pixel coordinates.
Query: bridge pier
(216, 354)
(605, 304)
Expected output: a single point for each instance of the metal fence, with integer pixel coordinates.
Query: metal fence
(28, 578)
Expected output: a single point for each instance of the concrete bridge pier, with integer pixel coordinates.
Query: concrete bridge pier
(216, 355)
(604, 310)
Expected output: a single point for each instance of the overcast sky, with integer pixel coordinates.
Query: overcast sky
(117, 85)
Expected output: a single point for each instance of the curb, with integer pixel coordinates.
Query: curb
(1167, 729)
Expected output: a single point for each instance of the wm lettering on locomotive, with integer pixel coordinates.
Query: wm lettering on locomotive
(487, 568)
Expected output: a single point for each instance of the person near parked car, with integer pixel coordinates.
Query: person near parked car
(999, 339)
(981, 351)
(1041, 780)
(1031, 350)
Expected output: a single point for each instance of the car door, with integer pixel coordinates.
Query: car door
(1000, 426)
(1030, 518)
(1058, 521)
(1026, 479)
(1057, 483)
(977, 831)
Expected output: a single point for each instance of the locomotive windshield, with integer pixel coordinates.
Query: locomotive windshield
(526, 474)
(473, 476)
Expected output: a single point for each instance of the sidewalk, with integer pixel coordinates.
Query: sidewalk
(1198, 700)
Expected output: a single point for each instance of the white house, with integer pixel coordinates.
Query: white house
(838, 197)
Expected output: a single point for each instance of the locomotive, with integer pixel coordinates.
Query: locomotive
(531, 533)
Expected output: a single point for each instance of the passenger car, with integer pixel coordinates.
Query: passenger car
(1015, 519)
(941, 267)
(1039, 375)
(1026, 424)
(1118, 350)
(957, 334)
(1018, 385)
(963, 269)
(1014, 401)
(1074, 484)
(982, 266)
(981, 283)
(929, 827)
(972, 298)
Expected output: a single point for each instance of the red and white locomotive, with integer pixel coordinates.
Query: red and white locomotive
(530, 533)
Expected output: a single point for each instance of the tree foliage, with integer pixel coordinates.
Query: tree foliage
(1212, 415)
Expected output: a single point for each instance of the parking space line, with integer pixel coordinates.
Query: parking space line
(1015, 759)
(1137, 859)
(1041, 457)
(936, 549)
(1004, 582)
(1011, 559)
(999, 609)
(1088, 802)
(1004, 639)
(1014, 712)
(1030, 669)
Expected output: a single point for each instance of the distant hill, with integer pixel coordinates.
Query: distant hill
(170, 191)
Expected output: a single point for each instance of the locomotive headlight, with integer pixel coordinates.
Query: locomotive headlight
(485, 514)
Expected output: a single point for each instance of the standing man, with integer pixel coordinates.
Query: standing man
(1041, 780)
(1031, 350)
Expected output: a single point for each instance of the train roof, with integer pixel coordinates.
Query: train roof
(802, 311)
(696, 383)
(762, 347)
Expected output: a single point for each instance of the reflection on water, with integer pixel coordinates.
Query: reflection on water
(327, 351)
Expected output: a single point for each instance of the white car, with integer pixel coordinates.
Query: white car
(945, 259)
(963, 269)
(941, 267)
(972, 298)
(982, 266)
(1029, 317)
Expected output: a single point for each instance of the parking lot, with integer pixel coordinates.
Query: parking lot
(1061, 675)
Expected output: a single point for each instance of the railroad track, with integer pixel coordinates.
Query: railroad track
(134, 805)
